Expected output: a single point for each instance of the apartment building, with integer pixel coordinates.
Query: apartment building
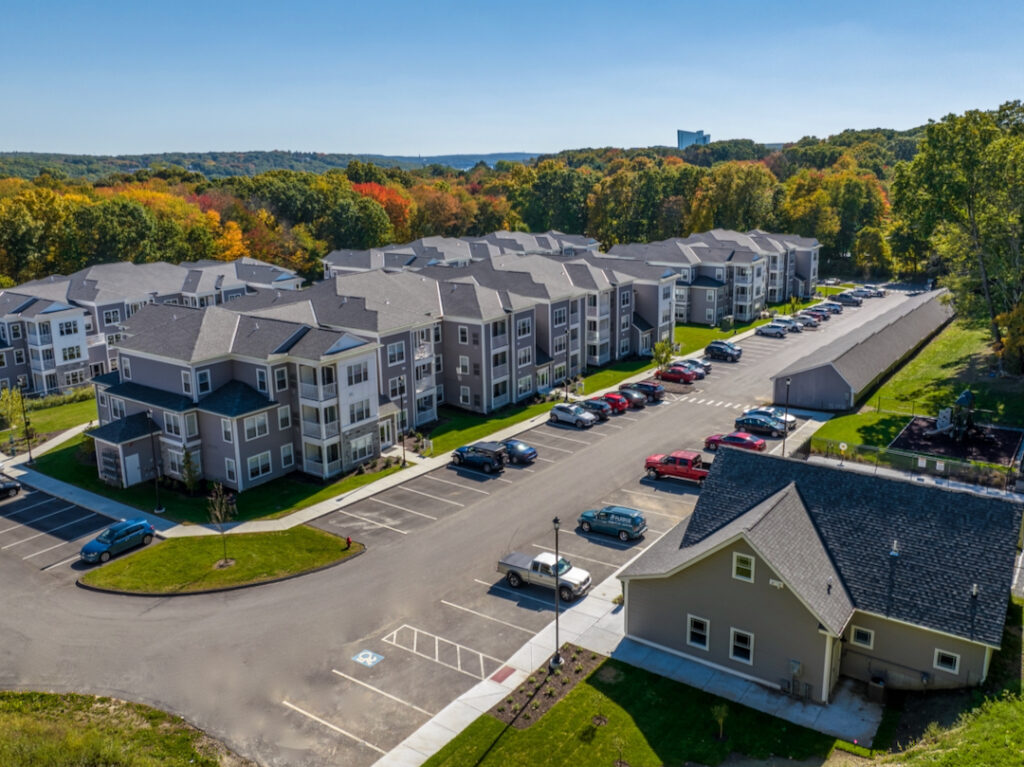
(247, 399)
(43, 347)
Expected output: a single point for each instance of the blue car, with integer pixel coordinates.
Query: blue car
(620, 521)
(487, 457)
(519, 452)
(119, 537)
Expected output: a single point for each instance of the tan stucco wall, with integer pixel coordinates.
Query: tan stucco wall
(902, 653)
(784, 630)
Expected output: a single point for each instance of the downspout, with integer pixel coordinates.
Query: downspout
(828, 668)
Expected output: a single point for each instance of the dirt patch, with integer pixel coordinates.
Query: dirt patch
(986, 444)
(544, 688)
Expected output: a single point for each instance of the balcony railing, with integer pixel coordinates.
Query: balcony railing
(318, 392)
(41, 364)
(40, 339)
(500, 401)
(425, 383)
(333, 467)
(319, 430)
(424, 351)
(499, 342)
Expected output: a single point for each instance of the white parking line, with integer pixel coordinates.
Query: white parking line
(549, 447)
(519, 594)
(568, 439)
(701, 402)
(440, 642)
(428, 495)
(488, 617)
(728, 404)
(614, 426)
(375, 499)
(546, 460)
(455, 484)
(477, 473)
(378, 690)
(47, 532)
(719, 403)
(62, 543)
(371, 522)
(576, 556)
(337, 729)
(62, 562)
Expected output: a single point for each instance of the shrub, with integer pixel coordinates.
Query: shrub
(52, 400)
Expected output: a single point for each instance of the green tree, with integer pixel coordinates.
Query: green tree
(189, 475)
(11, 408)
(871, 252)
(221, 509)
(359, 223)
(662, 354)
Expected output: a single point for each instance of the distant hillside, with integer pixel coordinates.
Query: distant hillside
(225, 164)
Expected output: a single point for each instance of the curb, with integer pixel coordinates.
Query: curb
(219, 590)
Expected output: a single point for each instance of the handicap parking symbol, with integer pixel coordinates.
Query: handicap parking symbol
(367, 658)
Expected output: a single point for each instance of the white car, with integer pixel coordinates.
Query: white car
(568, 412)
(876, 291)
(806, 321)
(779, 331)
(788, 323)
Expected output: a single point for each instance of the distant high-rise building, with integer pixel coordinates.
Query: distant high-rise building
(689, 138)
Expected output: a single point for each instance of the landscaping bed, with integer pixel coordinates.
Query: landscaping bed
(985, 444)
(194, 564)
(544, 688)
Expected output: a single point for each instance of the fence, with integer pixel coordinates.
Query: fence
(986, 474)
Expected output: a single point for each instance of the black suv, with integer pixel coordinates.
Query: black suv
(723, 350)
(486, 456)
(653, 390)
(847, 298)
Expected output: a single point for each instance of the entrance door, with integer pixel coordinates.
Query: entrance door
(132, 472)
(386, 439)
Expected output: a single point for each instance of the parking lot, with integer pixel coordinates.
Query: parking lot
(46, 533)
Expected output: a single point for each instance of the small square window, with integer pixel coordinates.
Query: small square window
(743, 567)
(862, 637)
(947, 661)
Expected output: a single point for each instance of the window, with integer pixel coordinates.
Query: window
(186, 381)
(741, 646)
(203, 381)
(524, 327)
(463, 334)
(709, 314)
(15, 331)
(71, 353)
(476, 339)
(500, 388)
(697, 632)
(256, 426)
(438, 364)
(666, 292)
(437, 334)
(499, 328)
(558, 316)
(464, 365)
(3, 360)
(362, 447)
(425, 403)
(359, 411)
(287, 456)
(111, 316)
(476, 368)
(191, 425)
(862, 637)
(75, 377)
(743, 567)
(103, 400)
(116, 408)
(113, 338)
(281, 378)
(592, 301)
(396, 387)
(423, 370)
(261, 380)
(525, 356)
(709, 296)
(19, 354)
(284, 417)
(558, 347)
(524, 385)
(947, 661)
(499, 359)
(439, 394)
(226, 431)
(624, 325)
(259, 465)
(423, 335)
(68, 327)
(172, 424)
(396, 353)
(358, 373)
(627, 298)
(174, 463)
(559, 374)
(624, 346)
(463, 395)
(666, 316)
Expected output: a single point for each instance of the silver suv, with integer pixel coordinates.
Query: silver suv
(568, 412)
(788, 323)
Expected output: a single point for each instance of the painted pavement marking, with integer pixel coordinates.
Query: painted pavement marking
(375, 499)
(334, 727)
(443, 651)
(488, 617)
(381, 692)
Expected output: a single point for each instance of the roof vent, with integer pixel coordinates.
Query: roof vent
(828, 587)
(974, 591)
(895, 552)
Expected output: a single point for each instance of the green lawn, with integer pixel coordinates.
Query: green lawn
(614, 374)
(862, 429)
(831, 290)
(180, 565)
(651, 721)
(55, 419)
(44, 730)
(458, 427)
(274, 499)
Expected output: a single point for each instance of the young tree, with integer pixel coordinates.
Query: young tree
(10, 407)
(662, 354)
(221, 509)
(188, 472)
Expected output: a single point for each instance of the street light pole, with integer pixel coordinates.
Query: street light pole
(565, 383)
(24, 418)
(785, 421)
(556, 660)
(156, 465)
(404, 423)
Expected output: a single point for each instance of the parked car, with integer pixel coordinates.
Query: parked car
(821, 315)
(740, 439)
(637, 400)
(830, 281)
(598, 407)
(831, 307)
(9, 487)
(693, 366)
(773, 412)
(863, 293)
(771, 329)
(848, 299)
(788, 323)
(761, 424)
(877, 292)
(570, 412)
(620, 521)
(542, 570)
(807, 321)
(676, 374)
(519, 452)
(723, 350)
(488, 457)
(682, 464)
(616, 401)
(650, 388)
(120, 536)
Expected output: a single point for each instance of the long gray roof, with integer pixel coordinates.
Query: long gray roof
(947, 541)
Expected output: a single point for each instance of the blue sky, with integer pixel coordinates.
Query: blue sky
(105, 77)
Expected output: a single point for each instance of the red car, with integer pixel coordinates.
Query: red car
(619, 404)
(676, 374)
(735, 439)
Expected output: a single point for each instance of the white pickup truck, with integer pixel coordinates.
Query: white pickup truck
(540, 570)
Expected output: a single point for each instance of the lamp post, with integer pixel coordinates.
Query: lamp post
(404, 423)
(568, 370)
(156, 465)
(24, 418)
(785, 420)
(556, 659)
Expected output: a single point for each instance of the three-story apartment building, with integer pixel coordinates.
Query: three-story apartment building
(43, 347)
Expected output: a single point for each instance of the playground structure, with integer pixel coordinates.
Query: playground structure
(956, 422)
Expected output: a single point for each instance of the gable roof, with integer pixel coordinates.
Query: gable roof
(947, 541)
(125, 429)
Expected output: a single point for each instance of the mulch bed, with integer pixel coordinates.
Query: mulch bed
(987, 444)
(543, 688)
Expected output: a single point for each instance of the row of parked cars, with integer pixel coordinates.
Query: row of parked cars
(809, 319)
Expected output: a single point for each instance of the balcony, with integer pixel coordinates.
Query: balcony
(424, 384)
(333, 467)
(500, 401)
(499, 342)
(742, 279)
(424, 352)
(42, 364)
(319, 430)
(318, 392)
(40, 339)
(593, 336)
(499, 371)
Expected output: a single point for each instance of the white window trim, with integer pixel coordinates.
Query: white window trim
(732, 642)
(277, 378)
(707, 632)
(226, 434)
(463, 334)
(870, 645)
(255, 420)
(257, 457)
(262, 381)
(286, 411)
(464, 395)
(287, 452)
(186, 381)
(203, 375)
(735, 557)
(935, 661)
(126, 368)
(230, 470)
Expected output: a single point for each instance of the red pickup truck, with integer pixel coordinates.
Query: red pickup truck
(682, 464)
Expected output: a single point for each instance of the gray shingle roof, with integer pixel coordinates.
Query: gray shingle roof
(233, 399)
(948, 541)
(125, 429)
(147, 395)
